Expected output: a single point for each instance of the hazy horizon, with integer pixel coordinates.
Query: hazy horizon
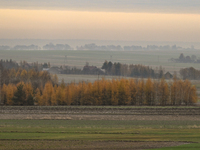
(121, 20)
(81, 42)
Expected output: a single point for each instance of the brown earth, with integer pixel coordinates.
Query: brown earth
(99, 113)
(98, 117)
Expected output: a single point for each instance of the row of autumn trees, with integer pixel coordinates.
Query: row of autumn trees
(102, 92)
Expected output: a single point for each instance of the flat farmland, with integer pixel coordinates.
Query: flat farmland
(96, 58)
(98, 127)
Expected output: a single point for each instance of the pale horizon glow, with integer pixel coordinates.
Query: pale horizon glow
(68, 24)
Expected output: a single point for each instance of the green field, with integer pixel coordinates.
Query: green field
(80, 133)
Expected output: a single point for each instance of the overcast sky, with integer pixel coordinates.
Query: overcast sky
(141, 20)
(182, 6)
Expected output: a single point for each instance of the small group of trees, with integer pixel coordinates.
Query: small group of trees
(20, 47)
(25, 47)
(8, 64)
(35, 78)
(102, 92)
(51, 46)
(152, 47)
(20, 94)
(87, 69)
(93, 46)
(186, 59)
(132, 70)
(190, 73)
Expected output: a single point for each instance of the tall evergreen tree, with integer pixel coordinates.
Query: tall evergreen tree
(19, 97)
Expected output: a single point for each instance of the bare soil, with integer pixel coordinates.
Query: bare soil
(98, 117)
(101, 113)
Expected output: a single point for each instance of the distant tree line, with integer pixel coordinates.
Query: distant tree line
(87, 69)
(103, 47)
(20, 47)
(116, 69)
(51, 46)
(93, 46)
(108, 68)
(152, 47)
(131, 70)
(10, 64)
(102, 92)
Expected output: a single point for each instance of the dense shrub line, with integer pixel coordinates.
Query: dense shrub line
(103, 92)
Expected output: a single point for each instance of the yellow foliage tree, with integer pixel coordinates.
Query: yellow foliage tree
(173, 91)
(186, 92)
(149, 92)
(115, 93)
(163, 92)
(60, 96)
(48, 93)
(133, 92)
(68, 98)
(141, 93)
(38, 97)
(193, 95)
(24, 75)
(10, 93)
